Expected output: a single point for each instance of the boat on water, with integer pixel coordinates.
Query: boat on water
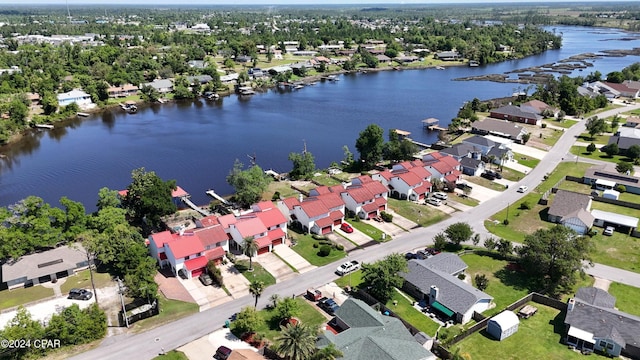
(246, 90)
(130, 107)
(473, 63)
(439, 67)
(82, 114)
(44, 126)
(331, 78)
(211, 96)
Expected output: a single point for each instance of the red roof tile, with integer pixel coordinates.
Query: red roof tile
(162, 238)
(263, 205)
(338, 189)
(272, 217)
(421, 172)
(409, 178)
(336, 215)
(291, 202)
(324, 222)
(453, 177)
(370, 207)
(314, 207)
(376, 188)
(406, 165)
(263, 242)
(215, 253)
(211, 235)
(386, 174)
(322, 190)
(364, 179)
(450, 160)
(360, 193)
(380, 201)
(423, 189)
(185, 246)
(275, 234)
(250, 227)
(209, 221)
(197, 263)
(331, 200)
(441, 167)
(179, 192)
(226, 220)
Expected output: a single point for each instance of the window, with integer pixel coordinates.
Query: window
(603, 343)
(610, 346)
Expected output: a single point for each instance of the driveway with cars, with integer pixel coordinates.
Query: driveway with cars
(482, 193)
(206, 296)
(356, 236)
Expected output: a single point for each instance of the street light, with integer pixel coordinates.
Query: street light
(507, 218)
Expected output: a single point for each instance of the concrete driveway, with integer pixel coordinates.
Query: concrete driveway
(339, 237)
(387, 228)
(293, 258)
(236, 283)
(356, 236)
(528, 150)
(402, 221)
(205, 296)
(205, 347)
(482, 193)
(275, 266)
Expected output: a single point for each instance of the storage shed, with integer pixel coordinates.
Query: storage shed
(503, 325)
(611, 194)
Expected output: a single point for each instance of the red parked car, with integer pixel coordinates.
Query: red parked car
(346, 228)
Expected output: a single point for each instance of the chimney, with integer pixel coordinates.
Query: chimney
(571, 304)
(433, 293)
(300, 197)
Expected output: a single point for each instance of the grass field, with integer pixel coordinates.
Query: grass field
(525, 160)
(463, 200)
(537, 338)
(23, 296)
(170, 310)
(563, 124)
(420, 214)
(172, 355)
(82, 280)
(283, 187)
(258, 273)
(486, 183)
(353, 279)
(405, 310)
(626, 297)
(368, 229)
(563, 169)
(325, 179)
(597, 139)
(304, 247)
(581, 151)
(619, 250)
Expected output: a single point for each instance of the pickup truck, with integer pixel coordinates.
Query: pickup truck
(348, 267)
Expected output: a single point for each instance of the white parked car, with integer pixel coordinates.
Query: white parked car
(348, 267)
(433, 201)
(440, 195)
(522, 189)
(608, 231)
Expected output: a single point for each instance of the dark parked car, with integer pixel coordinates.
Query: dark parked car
(80, 294)
(410, 256)
(329, 306)
(222, 353)
(489, 175)
(205, 279)
(432, 251)
(421, 254)
(464, 186)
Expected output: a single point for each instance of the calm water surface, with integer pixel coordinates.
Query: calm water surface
(197, 142)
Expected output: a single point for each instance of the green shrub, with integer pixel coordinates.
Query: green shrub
(276, 196)
(231, 257)
(462, 276)
(325, 250)
(525, 206)
(506, 221)
(386, 216)
(315, 245)
(339, 247)
(356, 218)
(319, 237)
(544, 125)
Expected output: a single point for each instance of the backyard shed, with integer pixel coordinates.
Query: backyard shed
(503, 325)
(611, 194)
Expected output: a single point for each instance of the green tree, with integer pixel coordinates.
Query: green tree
(296, 342)
(624, 167)
(591, 148)
(148, 197)
(250, 248)
(216, 274)
(615, 77)
(247, 320)
(610, 149)
(633, 152)
(440, 241)
(329, 352)
(458, 232)
(370, 144)
(505, 248)
(398, 149)
(554, 257)
(287, 308)
(303, 165)
(256, 288)
(21, 327)
(18, 112)
(596, 126)
(490, 243)
(149, 93)
(348, 156)
(525, 138)
(74, 326)
(140, 282)
(249, 184)
(383, 276)
(49, 103)
(107, 198)
(481, 281)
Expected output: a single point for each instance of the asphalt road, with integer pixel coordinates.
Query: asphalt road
(173, 335)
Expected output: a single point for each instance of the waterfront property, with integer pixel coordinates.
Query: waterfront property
(75, 96)
(407, 180)
(517, 114)
(501, 128)
(45, 266)
(122, 91)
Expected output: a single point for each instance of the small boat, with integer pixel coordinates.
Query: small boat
(331, 78)
(298, 87)
(130, 107)
(211, 96)
(313, 83)
(83, 114)
(44, 126)
(162, 101)
(439, 67)
(246, 90)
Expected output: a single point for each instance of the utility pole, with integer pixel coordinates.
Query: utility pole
(124, 310)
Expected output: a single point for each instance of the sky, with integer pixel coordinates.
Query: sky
(278, 2)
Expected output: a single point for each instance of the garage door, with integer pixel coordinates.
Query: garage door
(276, 242)
(381, 208)
(197, 272)
(263, 250)
(337, 222)
(326, 230)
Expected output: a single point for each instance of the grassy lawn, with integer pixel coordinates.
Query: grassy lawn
(405, 310)
(325, 179)
(420, 214)
(537, 338)
(304, 247)
(22, 296)
(550, 136)
(511, 174)
(258, 273)
(354, 278)
(626, 297)
(563, 169)
(581, 151)
(587, 189)
(521, 221)
(82, 280)
(172, 355)
(525, 160)
(486, 183)
(282, 187)
(504, 285)
(368, 229)
(563, 124)
(618, 250)
(460, 138)
(170, 310)
(597, 139)
(596, 111)
(269, 325)
(463, 200)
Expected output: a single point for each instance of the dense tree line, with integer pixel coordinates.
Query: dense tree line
(563, 92)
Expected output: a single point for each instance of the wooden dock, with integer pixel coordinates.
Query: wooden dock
(195, 207)
(217, 197)
(422, 145)
(432, 124)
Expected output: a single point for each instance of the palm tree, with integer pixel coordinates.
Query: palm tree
(256, 288)
(296, 342)
(250, 248)
(327, 353)
(492, 158)
(274, 299)
(503, 158)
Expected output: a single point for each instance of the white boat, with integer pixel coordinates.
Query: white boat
(439, 67)
(44, 126)
(473, 63)
(83, 114)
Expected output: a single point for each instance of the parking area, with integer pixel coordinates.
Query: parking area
(205, 347)
(482, 193)
(275, 266)
(356, 236)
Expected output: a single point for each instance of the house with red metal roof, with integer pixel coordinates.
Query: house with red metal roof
(366, 199)
(406, 184)
(315, 214)
(442, 167)
(273, 220)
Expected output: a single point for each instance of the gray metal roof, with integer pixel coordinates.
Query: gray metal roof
(459, 150)
(388, 340)
(516, 111)
(471, 163)
(44, 263)
(567, 202)
(618, 219)
(498, 152)
(608, 172)
(454, 293)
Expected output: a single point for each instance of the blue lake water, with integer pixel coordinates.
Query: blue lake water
(197, 142)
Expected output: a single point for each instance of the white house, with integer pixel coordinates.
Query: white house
(74, 96)
(366, 200)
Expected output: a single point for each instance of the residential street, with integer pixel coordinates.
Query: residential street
(170, 336)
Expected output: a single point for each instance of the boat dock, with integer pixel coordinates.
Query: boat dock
(195, 207)
(432, 124)
(217, 197)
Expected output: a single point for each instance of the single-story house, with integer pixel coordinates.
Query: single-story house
(503, 325)
(515, 113)
(500, 154)
(632, 121)
(45, 266)
(621, 89)
(501, 128)
(539, 107)
(163, 86)
(608, 172)
(593, 323)
(462, 150)
(435, 280)
(571, 209)
(480, 142)
(122, 90)
(625, 137)
(74, 96)
(199, 79)
(605, 218)
(363, 333)
(448, 55)
(382, 58)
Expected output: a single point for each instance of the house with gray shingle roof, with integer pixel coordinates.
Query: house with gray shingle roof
(515, 113)
(480, 142)
(594, 324)
(501, 128)
(365, 334)
(571, 209)
(435, 280)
